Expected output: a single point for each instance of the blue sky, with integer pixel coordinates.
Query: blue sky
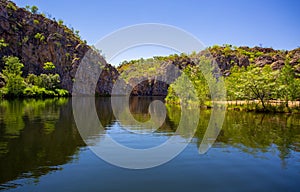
(238, 22)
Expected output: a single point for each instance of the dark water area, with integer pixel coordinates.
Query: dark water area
(41, 149)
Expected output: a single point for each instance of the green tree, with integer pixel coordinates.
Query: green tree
(34, 9)
(12, 75)
(259, 83)
(288, 88)
(192, 85)
(27, 7)
(234, 84)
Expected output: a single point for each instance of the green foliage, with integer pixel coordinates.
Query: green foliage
(288, 85)
(50, 81)
(27, 7)
(77, 33)
(35, 21)
(25, 39)
(11, 6)
(252, 83)
(44, 85)
(57, 43)
(195, 85)
(2, 43)
(35, 91)
(68, 55)
(62, 92)
(182, 90)
(39, 36)
(12, 75)
(258, 88)
(138, 68)
(60, 22)
(32, 79)
(49, 66)
(34, 9)
(47, 81)
(263, 84)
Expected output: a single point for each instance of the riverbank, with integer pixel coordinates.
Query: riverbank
(271, 106)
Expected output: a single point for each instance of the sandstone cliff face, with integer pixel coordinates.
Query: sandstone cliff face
(35, 40)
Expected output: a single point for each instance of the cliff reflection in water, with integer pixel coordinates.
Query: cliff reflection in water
(38, 136)
(252, 133)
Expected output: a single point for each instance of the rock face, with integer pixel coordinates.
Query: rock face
(145, 83)
(225, 57)
(35, 39)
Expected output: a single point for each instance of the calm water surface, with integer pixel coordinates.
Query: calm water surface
(42, 150)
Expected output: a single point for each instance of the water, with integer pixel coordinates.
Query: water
(42, 150)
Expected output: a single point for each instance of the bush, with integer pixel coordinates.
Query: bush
(12, 75)
(11, 6)
(2, 43)
(44, 85)
(36, 21)
(34, 9)
(34, 91)
(62, 92)
(50, 81)
(49, 66)
(39, 36)
(60, 22)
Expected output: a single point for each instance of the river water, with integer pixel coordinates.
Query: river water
(41, 149)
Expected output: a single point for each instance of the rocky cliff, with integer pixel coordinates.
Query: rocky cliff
(35, 39)
(225, 57)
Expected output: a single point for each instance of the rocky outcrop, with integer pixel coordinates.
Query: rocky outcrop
(35, 39)
(224, 56)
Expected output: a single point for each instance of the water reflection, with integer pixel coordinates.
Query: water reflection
(259, 133)
(252, 133)
(38, 136)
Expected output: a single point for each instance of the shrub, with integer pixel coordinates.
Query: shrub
(62, 92)
(25, 39)
(34, 9)
(50, 81)
(35, 21)
(49, 66)
(39, 36)
(60, 22)
(2, 43)
(11, 6)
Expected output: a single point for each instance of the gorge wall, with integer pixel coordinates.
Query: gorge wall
(35, 40)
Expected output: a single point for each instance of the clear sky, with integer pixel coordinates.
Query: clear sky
(270, 23)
